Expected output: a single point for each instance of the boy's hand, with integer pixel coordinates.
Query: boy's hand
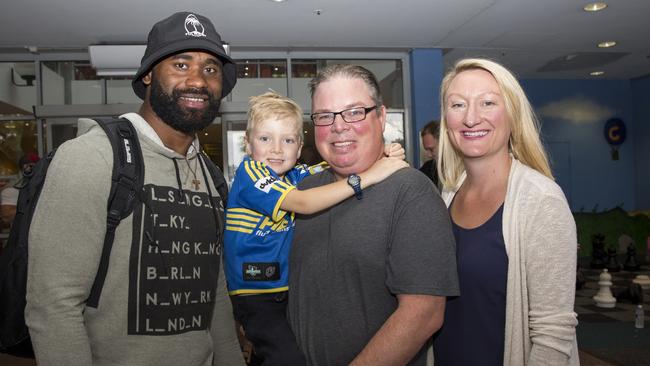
(382, 169)
(395, 150)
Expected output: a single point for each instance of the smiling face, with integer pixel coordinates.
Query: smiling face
(477, 119)
(348, 147)
(276, 143)
(185, 90)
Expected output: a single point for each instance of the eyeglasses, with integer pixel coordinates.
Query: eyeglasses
(356, 114)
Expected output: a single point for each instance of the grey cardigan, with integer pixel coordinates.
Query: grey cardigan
(540, 237)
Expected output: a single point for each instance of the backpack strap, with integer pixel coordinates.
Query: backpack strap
(126, 182)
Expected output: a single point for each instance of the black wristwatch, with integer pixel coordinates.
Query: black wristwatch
(355, 182)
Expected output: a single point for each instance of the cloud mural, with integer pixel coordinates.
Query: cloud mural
(577, 110)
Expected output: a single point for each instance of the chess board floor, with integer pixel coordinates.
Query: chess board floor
(609, 334)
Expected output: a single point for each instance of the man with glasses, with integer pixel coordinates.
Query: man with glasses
(368, 276)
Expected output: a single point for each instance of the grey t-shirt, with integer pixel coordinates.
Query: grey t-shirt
(349, 262)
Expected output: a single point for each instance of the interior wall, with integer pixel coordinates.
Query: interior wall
(641, 106)
(427, 70)
(573, 114)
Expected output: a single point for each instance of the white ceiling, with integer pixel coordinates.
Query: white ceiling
(526, 35)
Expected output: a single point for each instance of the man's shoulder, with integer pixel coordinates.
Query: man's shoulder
(89, 151)
(95, 140)
(412, 177)
(315, 180)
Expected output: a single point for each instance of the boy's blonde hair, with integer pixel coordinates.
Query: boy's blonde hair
(524, 144)
(273, 105)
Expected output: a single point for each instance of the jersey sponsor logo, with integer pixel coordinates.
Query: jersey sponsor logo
(261, 271)
(252, 271)
(265, 184)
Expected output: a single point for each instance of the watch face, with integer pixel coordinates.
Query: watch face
(353, 179)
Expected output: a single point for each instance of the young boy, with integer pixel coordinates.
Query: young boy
(260, 221)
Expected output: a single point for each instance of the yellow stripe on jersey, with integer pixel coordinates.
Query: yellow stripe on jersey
(252, 171)
(278, 213)
(318, 167)
(240, 229)
(281, 186)
(260, 168)
(241, 223)
(258, 291)
(245, 211)
(263, 168)
(242, 219)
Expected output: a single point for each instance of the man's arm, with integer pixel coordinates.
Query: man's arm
(404, 333)
(316, 199)
(66, 239)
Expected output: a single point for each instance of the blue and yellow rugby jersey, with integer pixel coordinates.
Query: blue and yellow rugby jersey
(258, 233)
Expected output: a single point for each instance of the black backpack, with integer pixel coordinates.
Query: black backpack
(126, 182)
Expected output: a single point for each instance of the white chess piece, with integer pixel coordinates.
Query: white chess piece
(604, 298)
(642, 280)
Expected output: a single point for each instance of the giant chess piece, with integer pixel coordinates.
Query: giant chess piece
(612, 262)
(598, 254)
(604, 298)
(631, 263)
(633, 293)
(643, 281)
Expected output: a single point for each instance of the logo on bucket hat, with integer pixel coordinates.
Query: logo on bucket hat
(180, 32)
(193, 22)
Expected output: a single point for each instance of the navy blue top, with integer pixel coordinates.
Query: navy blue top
(474, 327)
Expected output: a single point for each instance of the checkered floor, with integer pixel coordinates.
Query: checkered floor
(610, 333)
(624, 310)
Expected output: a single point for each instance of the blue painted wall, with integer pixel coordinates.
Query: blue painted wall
(573, 114)
(641, 106)
(427, 70)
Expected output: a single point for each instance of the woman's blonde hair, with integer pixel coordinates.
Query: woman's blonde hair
(524, 144)
(273, 105)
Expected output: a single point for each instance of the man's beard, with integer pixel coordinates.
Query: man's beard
(186, 120)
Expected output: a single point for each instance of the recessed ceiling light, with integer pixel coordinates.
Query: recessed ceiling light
(595, 6)
(597, 73)
(607, 44)
(278, 1)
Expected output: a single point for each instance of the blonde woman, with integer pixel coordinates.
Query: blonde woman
(516, 237)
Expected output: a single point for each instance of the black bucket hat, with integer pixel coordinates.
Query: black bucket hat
(179, 32)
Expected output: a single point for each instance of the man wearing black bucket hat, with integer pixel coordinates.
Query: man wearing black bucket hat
(163, 299)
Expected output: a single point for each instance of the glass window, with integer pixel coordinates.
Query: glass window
(119, 90)
(236, 131)
(309, 155)
(77, 82)
(60, 130)
(70, 82)
(388, 73)
(212, 143)
(255, 77)
(303, 68)
(17, 88)
(17, 140)
(394, 131)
